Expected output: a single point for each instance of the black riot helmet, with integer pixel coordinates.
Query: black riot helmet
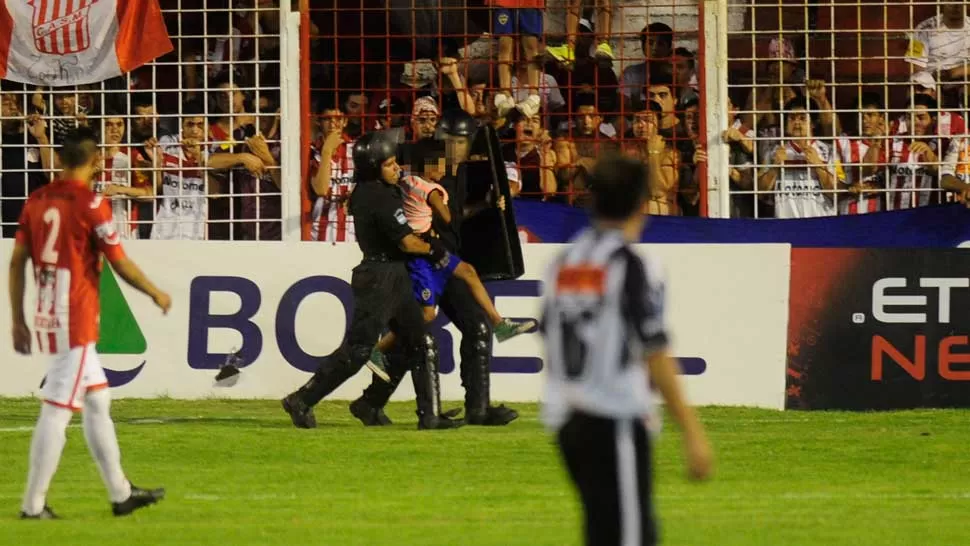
(457, 123)
(370, 152)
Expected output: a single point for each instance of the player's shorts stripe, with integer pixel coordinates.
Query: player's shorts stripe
(40, 344)
(59, 405)
(626, 465)
(80, 374)
(52, 342)
(97, 387)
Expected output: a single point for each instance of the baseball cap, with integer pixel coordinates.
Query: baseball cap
(393, 106)
(923, 79)
(425, 105)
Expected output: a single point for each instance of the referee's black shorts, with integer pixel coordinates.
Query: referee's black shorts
(609, 460)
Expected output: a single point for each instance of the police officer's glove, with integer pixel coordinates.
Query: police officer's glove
(439, 254)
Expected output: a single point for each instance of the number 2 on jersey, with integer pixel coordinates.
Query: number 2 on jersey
(49, 254)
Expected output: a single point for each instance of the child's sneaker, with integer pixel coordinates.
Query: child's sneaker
(564, 53)
(530, 106)
(378, 365)
(508, 328)
(503, 104)
(604, 51)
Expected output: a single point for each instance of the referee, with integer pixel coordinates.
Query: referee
(606, 346)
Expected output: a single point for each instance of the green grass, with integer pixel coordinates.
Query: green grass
(238, 474)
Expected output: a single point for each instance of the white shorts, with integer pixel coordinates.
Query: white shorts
(72, 375)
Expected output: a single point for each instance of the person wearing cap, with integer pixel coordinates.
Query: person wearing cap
(382, 291)
(950, 127)
(391, 114)
(423, 124)
(942, 42)
(782, 78)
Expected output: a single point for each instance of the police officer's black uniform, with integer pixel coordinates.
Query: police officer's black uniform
(382, 295)
(458, 304)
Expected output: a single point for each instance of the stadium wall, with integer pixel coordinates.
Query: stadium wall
(280, 304)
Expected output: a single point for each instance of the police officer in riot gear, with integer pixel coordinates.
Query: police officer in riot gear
(382, 291)
(456, 303)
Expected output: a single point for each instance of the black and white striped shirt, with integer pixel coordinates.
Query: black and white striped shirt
(603, 312)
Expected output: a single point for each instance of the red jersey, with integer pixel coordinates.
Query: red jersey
(67, 228)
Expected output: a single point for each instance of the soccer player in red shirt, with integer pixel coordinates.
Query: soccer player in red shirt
(64, 230)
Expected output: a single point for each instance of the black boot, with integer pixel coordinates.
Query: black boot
(476, 354)
(332, 373)
(427, 389)
(367, 414)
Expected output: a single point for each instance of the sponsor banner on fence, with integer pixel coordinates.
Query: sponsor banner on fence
(923, 227)
(879, 329)
(286, 305)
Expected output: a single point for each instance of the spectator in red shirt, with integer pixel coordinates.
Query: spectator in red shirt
(517, 21)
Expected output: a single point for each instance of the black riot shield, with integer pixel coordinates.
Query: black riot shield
(490, 239)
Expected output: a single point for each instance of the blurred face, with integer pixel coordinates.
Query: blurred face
(588, 120)
(662, 95)
(922, 121)
(692, 122)
(682, 70)
(333, 121)
(356, 105)
(145, 122)
(873, 122)
(781, 70)
(114, 131)
(478, 95)
(457, 148)
(230, 99)
(66, 104)
(657, 48)
(527, 129)
(424, 125)
(435, 171)
(267, 117)
(952, 10)
(390, 171)
(193, 130)
(644, 124)
(10, 108)
(798, 124)
(732, 110)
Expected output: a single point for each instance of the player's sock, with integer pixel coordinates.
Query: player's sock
(99, 431)
(45, 453)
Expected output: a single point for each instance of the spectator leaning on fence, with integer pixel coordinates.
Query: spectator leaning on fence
(659, 155)
(332, 180)
(534, 158)
(801, 170)
(920, 158)
(126, 176)
(740, 141)
(21, 170)
(863, 160)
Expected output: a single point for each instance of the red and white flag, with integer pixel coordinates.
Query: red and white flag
(77, 42)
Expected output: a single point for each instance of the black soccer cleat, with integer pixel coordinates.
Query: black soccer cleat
(494, 416)
(300, 413)
(46, 513)
(369, 415)
(139, 498)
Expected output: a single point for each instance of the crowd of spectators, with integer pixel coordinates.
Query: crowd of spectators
(192, 141)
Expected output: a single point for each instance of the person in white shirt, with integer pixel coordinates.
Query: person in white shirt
(801, 170)
(942, 43)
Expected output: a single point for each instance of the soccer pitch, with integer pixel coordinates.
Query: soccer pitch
(238, 473)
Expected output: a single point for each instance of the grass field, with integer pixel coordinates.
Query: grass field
(238, 474)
